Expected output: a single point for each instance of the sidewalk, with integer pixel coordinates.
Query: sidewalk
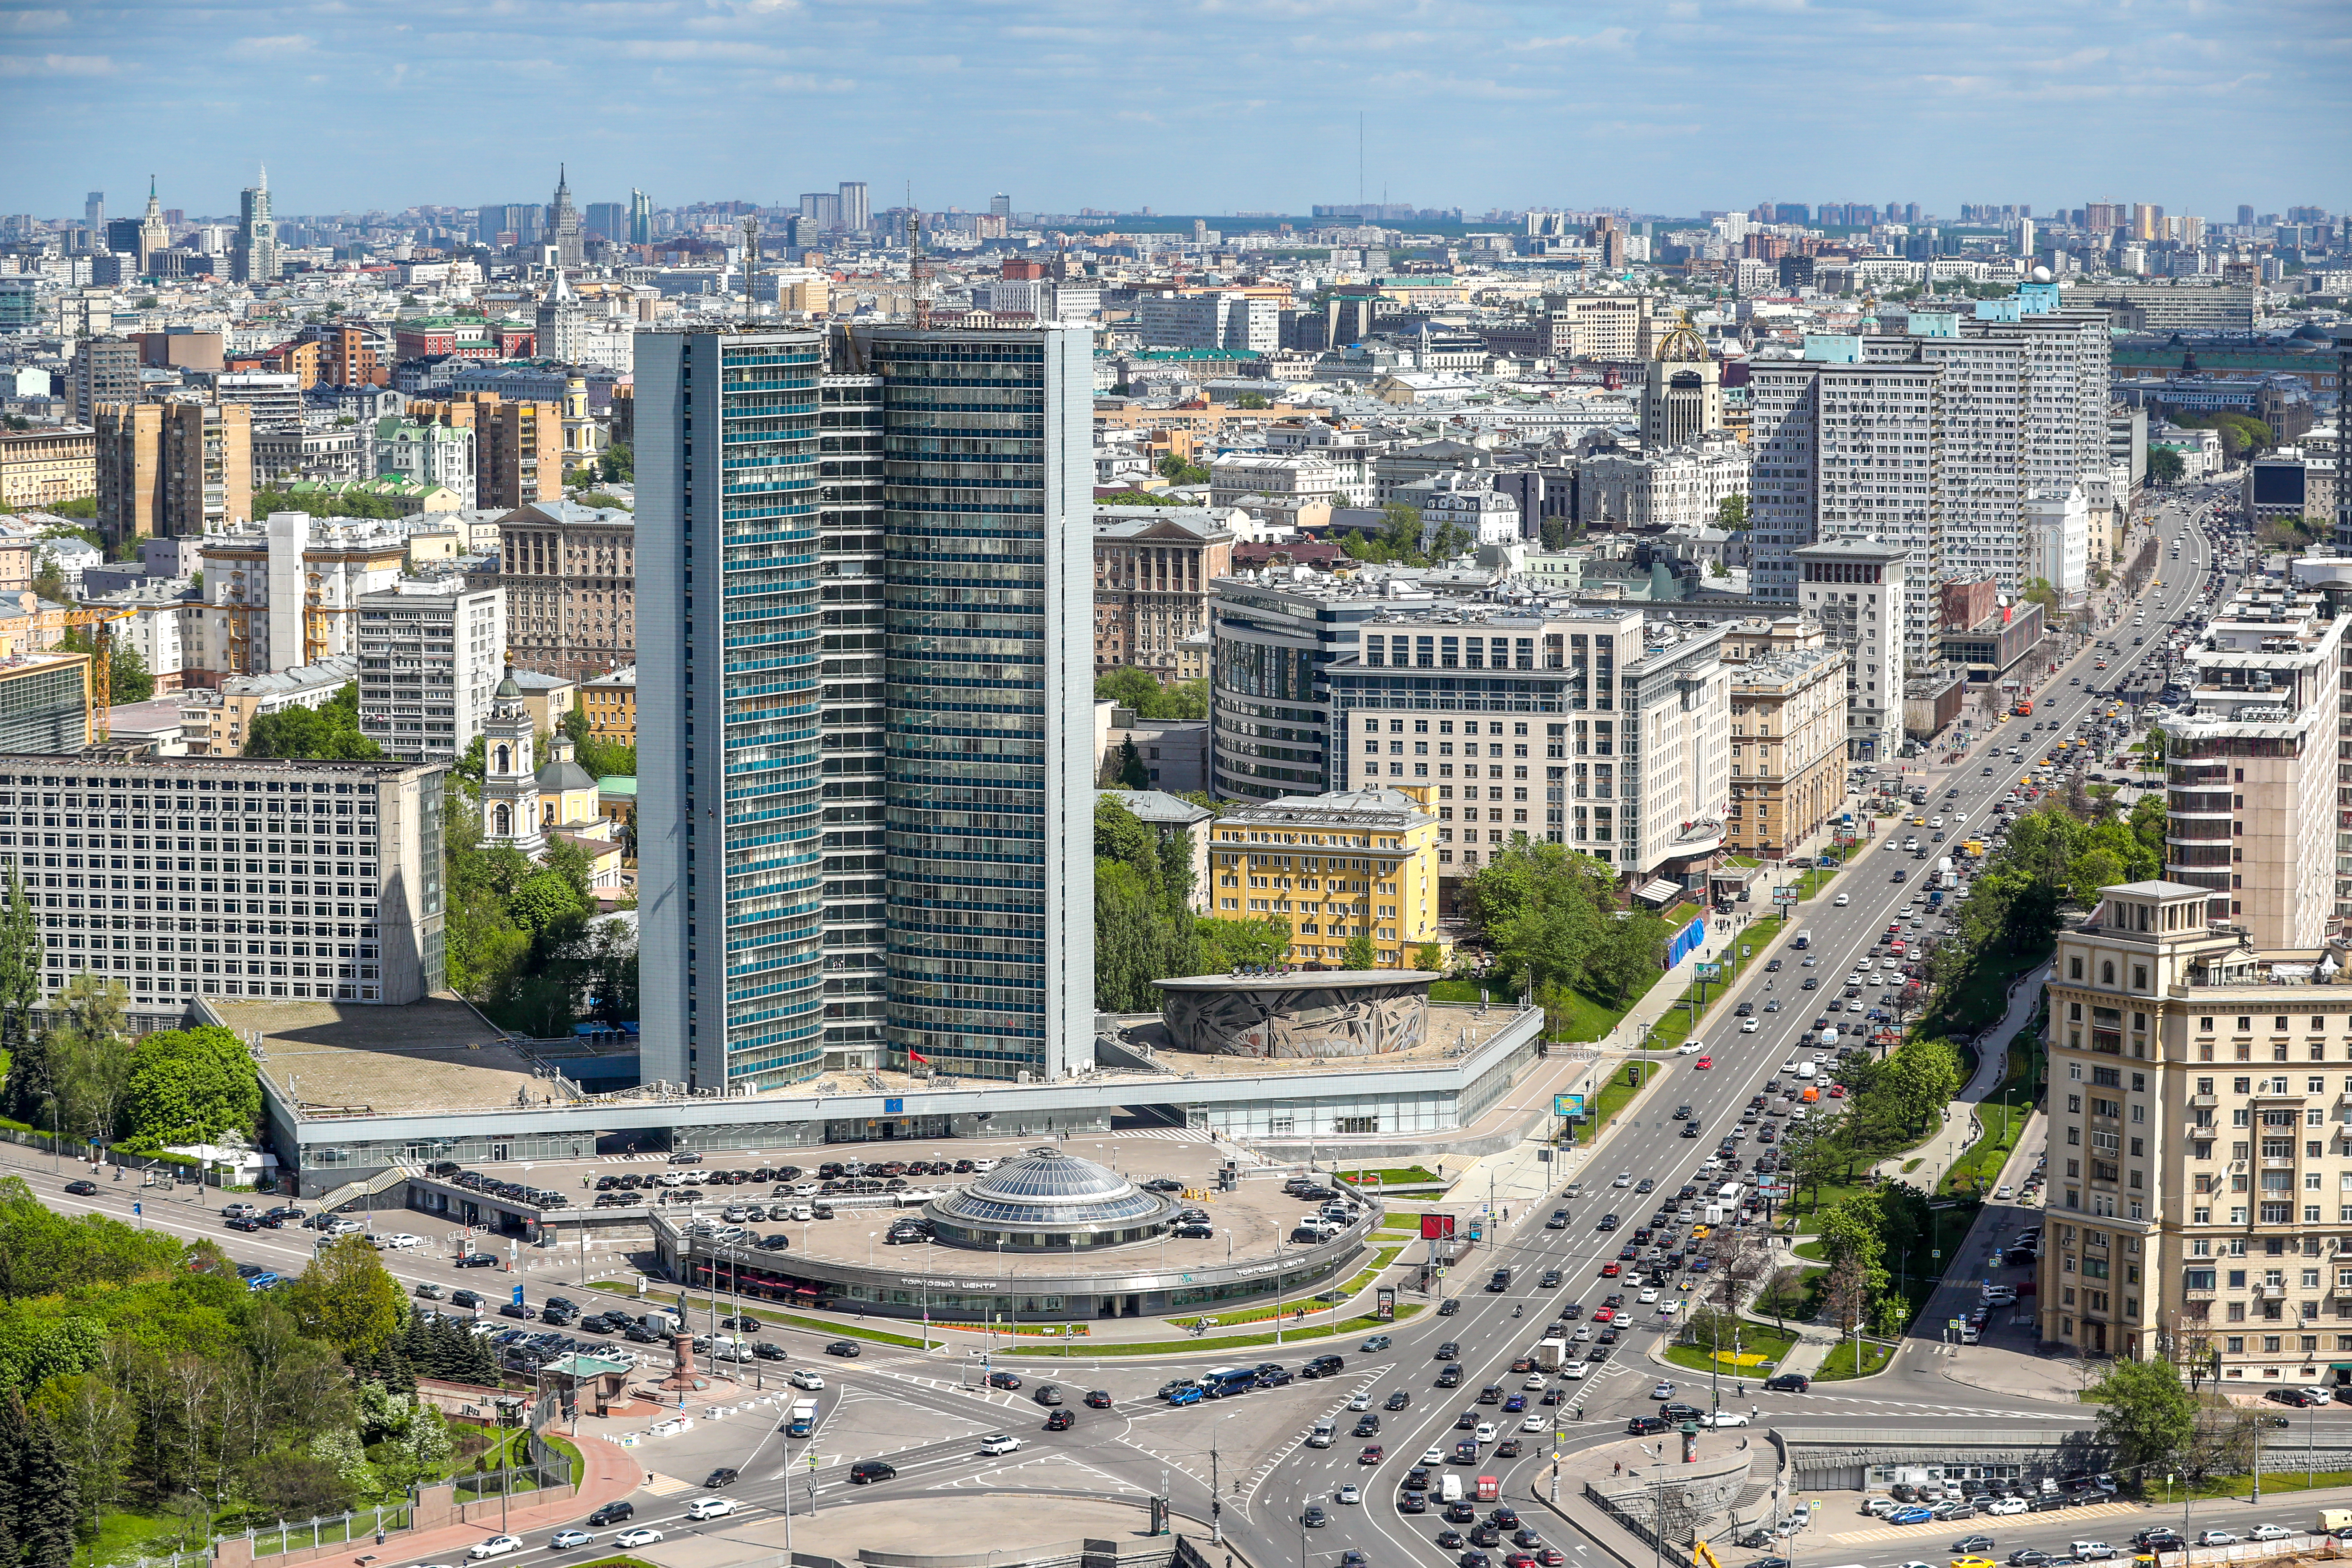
(1961, 1124)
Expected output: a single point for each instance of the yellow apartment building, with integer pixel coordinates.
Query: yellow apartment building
(1352, 863)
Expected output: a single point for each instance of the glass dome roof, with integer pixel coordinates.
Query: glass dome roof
(1051, 1189)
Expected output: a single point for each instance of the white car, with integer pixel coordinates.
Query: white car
(703, 1508)
(2268, 1533)
(1724, 1418)
(804, 1379)
(1485, 1432)
(1534, 1423)
(1433, 1455)
(496, 1546)
(1843, 899)
(1749, 1026)
(1362, 1401)
(1572, 1372)
(1625, 1179)
(1649, 1294)
(1002, 1443)
(398, 1241)
(2320, 1395)
(1348, 1494)
(1690, 1048)
(1532, 1384)
(565, 1540)
(644, 1535)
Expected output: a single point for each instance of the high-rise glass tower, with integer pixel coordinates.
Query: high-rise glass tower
(866, 705)
(255, 259)
(641, 217)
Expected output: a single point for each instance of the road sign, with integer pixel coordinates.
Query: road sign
(1746, 951)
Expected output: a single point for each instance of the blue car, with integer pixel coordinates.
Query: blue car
(1910, 1516)
(1186, 1395)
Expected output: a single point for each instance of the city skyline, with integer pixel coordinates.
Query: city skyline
(1862, 103)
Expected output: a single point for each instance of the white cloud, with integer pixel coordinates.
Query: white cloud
(276, 47)
(57, 65)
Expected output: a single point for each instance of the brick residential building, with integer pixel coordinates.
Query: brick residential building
(570, 572)
(1153, 566)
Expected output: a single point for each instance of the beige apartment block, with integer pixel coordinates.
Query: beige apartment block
(1788, 749)
(2200, 1144)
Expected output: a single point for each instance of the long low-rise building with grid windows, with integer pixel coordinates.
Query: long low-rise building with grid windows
(184, 877)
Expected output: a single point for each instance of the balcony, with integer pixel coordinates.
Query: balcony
(2278, 1163)
(2270, 1292)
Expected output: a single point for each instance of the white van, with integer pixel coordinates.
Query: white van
(1449, 1486)
(1805, 1070)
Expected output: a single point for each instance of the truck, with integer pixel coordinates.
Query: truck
(1944, 866)
(1935, 897)
(2332, 1519)
(659, 1322)
(1950, 880)
(1804, 939)
(1550, 1353)
(802, 1422)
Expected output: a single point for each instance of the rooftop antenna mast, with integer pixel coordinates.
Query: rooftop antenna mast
(751, 266)
(915, 278)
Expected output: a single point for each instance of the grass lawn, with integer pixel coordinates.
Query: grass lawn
(1674, 1026)
(1755, 1338)
(126, 1537)
(1290, 1336)
(1978, 1003)
(1853, 1358)
(1411, 1222)
(1585, 1018)
(1396, 1176)
(1381, 1260)
(1793, 1295)
(844, 1331)
(2001, 1118)
(1616, 1093)
(2272, 1481)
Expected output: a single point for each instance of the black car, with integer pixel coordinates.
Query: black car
(1367, 1425)
(1974, 1545)
(1449, 1350)
(1397, 1400)
(1099, 1399)
(1607, 1222)
(1559, 1220)
(1061, 1421)
(1450, 1376)
(612, 1513)
(724, 1476)
(1322, 1366)
(1643, 1425)
(2027, 1557)
(767, 1351)
(478, 1260)
(1416, 1479)
(83, 1189)
(1412, 1503)
(516, 1309)
(1451, 1539)
(1790, 1382)
(1448, 1307)
(1485, 1535)
(847, 1350)
(244, 1222)
(866, 1472)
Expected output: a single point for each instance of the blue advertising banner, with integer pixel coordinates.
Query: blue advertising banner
(1685, 939)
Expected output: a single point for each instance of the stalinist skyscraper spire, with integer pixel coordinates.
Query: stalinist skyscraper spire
(563, 223)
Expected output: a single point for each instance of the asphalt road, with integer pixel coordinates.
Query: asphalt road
(1266, 1475)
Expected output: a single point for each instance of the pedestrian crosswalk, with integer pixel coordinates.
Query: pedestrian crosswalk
(661, 1485)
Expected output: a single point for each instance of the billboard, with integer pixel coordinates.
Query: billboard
(1436, 1227)
(1384, 1304)
(1568, 1105)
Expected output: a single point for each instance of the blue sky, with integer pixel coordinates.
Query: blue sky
(1186, 106)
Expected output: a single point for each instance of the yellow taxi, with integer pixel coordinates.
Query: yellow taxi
(1701, 1232)
(1972, 1562)
(1918, 822)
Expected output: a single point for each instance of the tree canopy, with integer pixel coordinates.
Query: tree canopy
(1551, 918)
(1142, 693)
(327, 732)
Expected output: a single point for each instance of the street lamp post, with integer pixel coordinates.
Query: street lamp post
(1277, 1293)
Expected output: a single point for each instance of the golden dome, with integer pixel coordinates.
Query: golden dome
(1681, 344)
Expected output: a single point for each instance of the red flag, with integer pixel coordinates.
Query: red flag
(915, 1056)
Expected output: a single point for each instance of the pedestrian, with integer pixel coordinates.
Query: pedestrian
(1618, 1469)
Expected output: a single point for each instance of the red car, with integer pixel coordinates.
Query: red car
(1605, 1315)
(1370, 1455)
(1702, 1064)
(1610, 1271)
(1837, 1091)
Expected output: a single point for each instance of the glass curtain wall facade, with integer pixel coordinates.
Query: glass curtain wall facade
(730, 683)
(989, 611)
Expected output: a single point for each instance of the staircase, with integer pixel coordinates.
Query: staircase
(381, 1181)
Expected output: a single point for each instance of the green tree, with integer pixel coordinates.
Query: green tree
(327, 732)
(347, 1299)
(1176, 470)
(127, 677)
(1360, 953)
(618, 466)
(1141, 693)
(1145, 498)
(91, 1057)
(1250, 400)
(192, 1086)
(2145, 1414)
(28, 1085)
(46, 1517)
(1229, 943)
(1731, 514)
(49, 579)
(1429, 958)
(2165, 465)
(547, 902)
(1125, 769)
(319, 503)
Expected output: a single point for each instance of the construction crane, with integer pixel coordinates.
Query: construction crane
(98, 697)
